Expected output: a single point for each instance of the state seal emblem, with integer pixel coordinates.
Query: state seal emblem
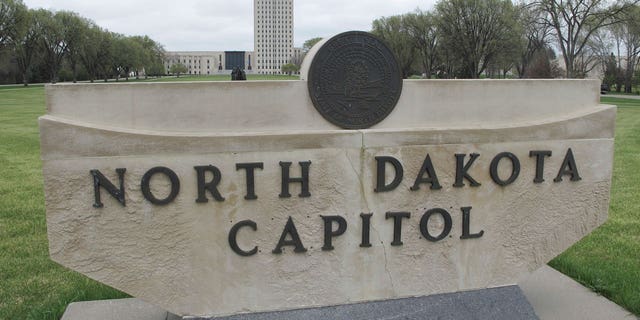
(354, 80)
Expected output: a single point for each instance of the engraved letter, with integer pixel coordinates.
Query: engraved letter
(539, 164)
(304, 180)
(329, 233)
(100, 180)
(466, 225)
(424, 224)
(568, 167)
(290, 229)
(251, 188)
(427, 167)
(366, 229)
(233, 234)
(381, 185)
(397, 225)
(211, 186)
(146, 190)
(461, 170)
(515, 171)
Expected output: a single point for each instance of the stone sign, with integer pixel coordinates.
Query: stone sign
(221, 198)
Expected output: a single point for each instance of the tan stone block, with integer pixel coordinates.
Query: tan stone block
(178, 255)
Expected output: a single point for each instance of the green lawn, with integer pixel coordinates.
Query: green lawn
(215, 77)
(33, 287)
(608, 260)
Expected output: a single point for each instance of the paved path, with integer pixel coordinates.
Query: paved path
(556, 296)
(622, 96)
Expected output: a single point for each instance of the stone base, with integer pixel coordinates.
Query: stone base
(496, 303)
(551, 294)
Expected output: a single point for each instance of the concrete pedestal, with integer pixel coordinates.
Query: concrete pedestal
(546, 294)
(496, 303)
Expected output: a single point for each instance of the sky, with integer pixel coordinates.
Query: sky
(218, 25)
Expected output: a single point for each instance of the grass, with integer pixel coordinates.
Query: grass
(31, 285)
(218, 77)
(34, 287)
(18, 86)
(215, 77)
(608, 260)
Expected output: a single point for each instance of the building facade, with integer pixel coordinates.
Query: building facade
(210, 62)
(273, 34)
(272, 40)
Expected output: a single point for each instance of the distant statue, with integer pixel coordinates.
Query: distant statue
(234, 74)
(238, 74)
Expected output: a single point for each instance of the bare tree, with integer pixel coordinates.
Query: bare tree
(534, 38)
(574, 23)
(474, 32)
(423, 30)
(627, 35)
(543, 65)
(601, 47)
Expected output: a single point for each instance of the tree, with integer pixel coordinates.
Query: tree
(395, 33)
(601, 46)
(474, 32)
(128, 56)
(74, 29)
(542, 65)
(574, 23)
(533, 38)
(152, 54)
(423, 31)
(610, 71)
(106, 54)
(177, 69)
(40, 45)
(627, 35)
(511, 48)
(310, 43)
(93, 51)
(13, 16)
(52, 41)
(25, 46)
(290, 68)
(155, 70)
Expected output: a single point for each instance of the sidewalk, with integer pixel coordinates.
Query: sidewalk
(556, 296)
(621, 96)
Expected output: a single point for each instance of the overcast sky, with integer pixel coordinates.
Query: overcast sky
(182, 25)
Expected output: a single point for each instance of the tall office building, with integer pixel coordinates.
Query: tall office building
(273, 35)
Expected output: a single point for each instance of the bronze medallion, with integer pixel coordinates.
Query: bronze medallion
(354, 80)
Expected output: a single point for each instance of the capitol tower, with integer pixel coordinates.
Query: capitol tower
(273, 35)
